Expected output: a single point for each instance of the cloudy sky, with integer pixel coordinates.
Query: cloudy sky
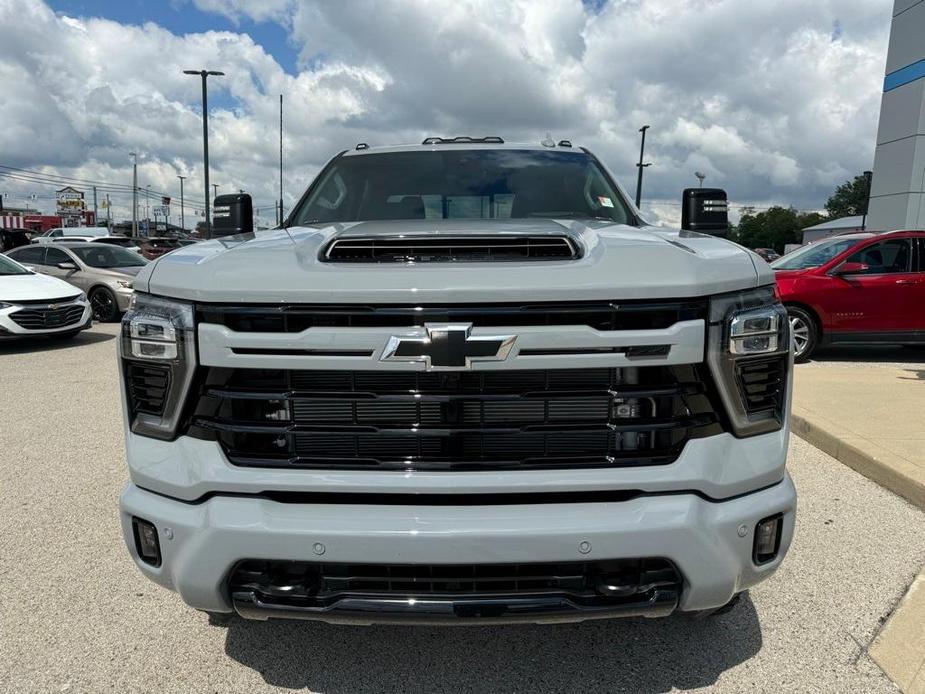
(775, 101)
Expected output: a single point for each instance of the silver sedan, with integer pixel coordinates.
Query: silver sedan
(103, 271)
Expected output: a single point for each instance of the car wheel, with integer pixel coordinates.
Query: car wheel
(805, 333)
(103, 303)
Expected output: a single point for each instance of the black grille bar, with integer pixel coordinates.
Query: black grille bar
(396, 592)
(601, 315)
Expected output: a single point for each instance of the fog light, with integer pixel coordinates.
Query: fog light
(146, 542)
(767, 538)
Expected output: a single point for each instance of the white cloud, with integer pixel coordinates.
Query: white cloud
(763, 97)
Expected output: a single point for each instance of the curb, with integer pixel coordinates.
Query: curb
(886, 474)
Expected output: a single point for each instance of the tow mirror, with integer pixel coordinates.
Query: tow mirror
(232, 214)
(705, 210)
(847, 268)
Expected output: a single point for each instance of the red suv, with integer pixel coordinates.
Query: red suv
(856, 288)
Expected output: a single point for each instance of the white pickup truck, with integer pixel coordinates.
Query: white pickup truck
(464, 382)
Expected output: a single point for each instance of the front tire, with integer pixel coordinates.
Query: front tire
(805, 333)
(104, 305)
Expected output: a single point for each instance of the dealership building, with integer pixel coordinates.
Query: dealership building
(897, 196)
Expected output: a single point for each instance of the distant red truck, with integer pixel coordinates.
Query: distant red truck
(860, 288)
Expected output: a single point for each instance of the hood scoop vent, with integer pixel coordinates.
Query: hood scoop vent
(450, 249)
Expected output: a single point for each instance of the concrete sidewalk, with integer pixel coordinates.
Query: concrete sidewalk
(872, 418)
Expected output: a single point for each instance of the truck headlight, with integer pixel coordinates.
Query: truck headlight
(749, 354)
(755, 332)
(158, 351)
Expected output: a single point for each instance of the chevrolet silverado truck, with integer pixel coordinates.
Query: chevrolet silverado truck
(464, 382)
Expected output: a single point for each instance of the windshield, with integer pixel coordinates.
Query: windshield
(462, 184)
(9, 267)
(813, 255)
(108, 256)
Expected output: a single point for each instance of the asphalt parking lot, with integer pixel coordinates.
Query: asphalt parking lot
(75, 614)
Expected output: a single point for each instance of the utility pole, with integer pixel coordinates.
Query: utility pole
(642, 150)
(95, 213)
(215, 189)
(134, 194)
(205, 135)
(280, 159)
(148, 210)
(182, 213)
(108, 213)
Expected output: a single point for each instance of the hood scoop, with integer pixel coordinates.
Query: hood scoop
(450, 249)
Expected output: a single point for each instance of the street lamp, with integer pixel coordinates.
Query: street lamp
(182, 213)
(700, 176)
(147, 210)
(134, 194)
(204, 74)
(640, 165)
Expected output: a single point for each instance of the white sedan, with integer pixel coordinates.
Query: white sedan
(38, 305)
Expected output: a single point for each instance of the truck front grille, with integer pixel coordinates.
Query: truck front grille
(517, 419)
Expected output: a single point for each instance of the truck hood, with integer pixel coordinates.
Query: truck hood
(617, 262)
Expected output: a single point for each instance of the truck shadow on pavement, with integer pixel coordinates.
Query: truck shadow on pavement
(46, 344)
(632, 655)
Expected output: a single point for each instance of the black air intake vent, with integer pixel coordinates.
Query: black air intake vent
(147, 388)
(447, 249)
(762, 383)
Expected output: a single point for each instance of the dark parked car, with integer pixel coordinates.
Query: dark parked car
(768, 254)
(13, 238)
(156, 247)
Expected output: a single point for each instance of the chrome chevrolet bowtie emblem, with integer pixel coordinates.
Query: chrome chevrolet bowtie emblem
(448, 346)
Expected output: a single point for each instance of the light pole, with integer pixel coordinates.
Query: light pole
(214, 190)
(182, 214)
(147, 210)
(205, 135)
(700, 176)
(134, 194)
(280, 159)
(640, 165)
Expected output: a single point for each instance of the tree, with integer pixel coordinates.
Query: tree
(850, 198)
(774, 228)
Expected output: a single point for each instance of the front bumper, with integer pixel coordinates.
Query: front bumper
(123, 298)
(710, 543)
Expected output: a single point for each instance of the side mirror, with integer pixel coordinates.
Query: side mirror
(705, 210)
(847, 268)
(232, 214)
(66, 265)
